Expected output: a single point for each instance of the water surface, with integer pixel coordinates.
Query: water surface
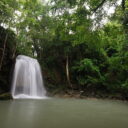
(63, 113)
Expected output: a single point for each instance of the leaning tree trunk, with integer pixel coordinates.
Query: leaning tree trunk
(67, 71)
(3, 51)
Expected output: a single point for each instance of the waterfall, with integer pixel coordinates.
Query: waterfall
(27, 80)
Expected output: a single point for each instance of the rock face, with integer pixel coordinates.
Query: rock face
(7, 54)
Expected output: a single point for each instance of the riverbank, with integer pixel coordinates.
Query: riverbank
(76, 94)
(87, 95)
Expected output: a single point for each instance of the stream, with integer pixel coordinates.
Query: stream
(63, 113)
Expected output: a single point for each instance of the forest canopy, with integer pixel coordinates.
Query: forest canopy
(80, 44)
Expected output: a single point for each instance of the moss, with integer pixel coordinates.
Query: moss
(5, 96)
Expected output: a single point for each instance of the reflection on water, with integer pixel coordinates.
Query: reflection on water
(58, 113)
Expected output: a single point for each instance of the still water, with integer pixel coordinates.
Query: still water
(63, 113)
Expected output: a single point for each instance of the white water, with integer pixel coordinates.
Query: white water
(27, 80)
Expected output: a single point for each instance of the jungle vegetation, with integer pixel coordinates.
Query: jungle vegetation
(80, 44)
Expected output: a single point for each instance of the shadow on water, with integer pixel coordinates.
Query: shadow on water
(63, 113)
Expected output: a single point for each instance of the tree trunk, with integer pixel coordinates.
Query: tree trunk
(2, 58)
(14, 52)
(67, 71)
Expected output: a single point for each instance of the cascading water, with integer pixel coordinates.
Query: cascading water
(27, 80)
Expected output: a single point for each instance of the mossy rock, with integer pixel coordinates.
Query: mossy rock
(5, 96)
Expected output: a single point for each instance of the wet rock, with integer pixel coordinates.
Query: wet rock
(5, 96)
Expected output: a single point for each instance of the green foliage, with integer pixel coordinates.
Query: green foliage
(87, 72)
(97, 56)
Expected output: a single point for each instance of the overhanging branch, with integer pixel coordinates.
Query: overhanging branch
(101, 4)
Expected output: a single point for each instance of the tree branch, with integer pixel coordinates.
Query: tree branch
(123, 4)
(101, 4)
